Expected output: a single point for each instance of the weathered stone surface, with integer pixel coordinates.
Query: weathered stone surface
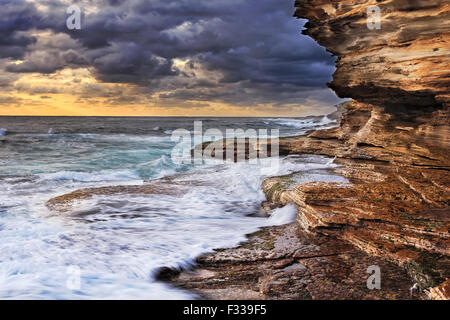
(441, 292)
(393, 139)
(394, 212)
(285, 263)
(393, 146)
(177, 184)
(398, 77)
(405, 62)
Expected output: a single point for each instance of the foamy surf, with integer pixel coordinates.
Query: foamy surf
(283, 215)
(119, 241)
(302, 123)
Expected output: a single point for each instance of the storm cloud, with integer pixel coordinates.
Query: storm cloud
(239, 52)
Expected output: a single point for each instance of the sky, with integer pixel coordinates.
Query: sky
(161, 58)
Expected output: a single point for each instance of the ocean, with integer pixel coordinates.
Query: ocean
(109, 247)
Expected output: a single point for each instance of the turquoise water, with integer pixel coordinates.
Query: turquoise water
(111, 246)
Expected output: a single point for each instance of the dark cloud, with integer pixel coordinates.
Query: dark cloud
(41, 62)
(235, 51)
(131, 62)
(6, 79)
(16, 16)
(7, 100)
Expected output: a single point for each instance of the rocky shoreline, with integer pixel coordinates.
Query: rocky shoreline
(341, 230)
(284, 262)
(392, 145)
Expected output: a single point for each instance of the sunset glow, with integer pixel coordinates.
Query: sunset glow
(152, 59)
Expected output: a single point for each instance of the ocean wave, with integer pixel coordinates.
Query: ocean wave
(94, 136)
(100, 176)
(283, 215)
(121, 240)
(129, 237)
(302, 123)
(325, 120)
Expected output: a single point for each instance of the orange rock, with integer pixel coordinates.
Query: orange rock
(441, 292)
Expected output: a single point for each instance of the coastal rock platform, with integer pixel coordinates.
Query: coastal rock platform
(286, 263)
(392, 145)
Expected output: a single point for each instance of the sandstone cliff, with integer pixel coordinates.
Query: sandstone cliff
(405, 62)
(398, 75)
(393, 140)
(393, 147)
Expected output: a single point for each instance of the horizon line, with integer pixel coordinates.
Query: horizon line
(205, 116)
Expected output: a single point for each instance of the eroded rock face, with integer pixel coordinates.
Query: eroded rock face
(440, 293)
(398, 76)
(418, 137)
(393, 144)
(399, 213)
(405, 62)
(285, 263)
(393, 139)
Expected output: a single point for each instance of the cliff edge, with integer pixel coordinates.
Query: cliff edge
(401, 62)
(393, 147)
(398, 75)
(393, 139)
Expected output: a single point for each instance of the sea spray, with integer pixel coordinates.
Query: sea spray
(117, 241)
(283, 215)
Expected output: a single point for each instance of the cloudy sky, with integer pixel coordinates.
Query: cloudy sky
(160, 57)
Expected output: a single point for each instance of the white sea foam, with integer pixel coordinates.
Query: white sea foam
(325, 120)
(302, 123)
(283, 215)
(123, 137)
(129, 237)
(119, 241)
(100, 176)
(3, 132)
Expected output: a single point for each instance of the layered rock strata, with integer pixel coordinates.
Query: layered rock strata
(286, 263)
(393, 147)
(402, 65)
(393, 139)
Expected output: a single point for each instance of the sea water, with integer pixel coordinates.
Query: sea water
(114, 244)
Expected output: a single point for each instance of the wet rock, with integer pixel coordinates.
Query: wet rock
(303, 267)
(441, 292)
